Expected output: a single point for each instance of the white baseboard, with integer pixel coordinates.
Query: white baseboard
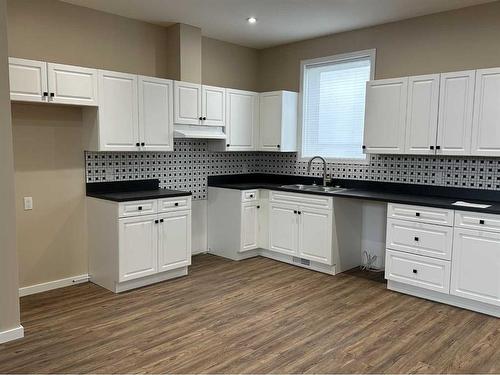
(38, 288)
(12, 334)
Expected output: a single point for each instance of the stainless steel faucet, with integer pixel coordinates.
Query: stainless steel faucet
(326, 179)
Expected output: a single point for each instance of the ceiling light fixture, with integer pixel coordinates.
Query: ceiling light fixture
(252, 20)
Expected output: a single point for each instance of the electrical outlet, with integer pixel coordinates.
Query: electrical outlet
(28, 203)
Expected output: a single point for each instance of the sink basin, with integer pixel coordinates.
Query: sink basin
(318, 188)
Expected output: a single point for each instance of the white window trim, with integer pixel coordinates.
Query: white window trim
(371, 53)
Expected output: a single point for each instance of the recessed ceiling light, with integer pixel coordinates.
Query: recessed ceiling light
(252, 20)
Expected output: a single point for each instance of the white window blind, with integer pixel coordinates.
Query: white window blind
(334, 107)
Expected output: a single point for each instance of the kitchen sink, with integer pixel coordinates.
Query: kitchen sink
(318, 188)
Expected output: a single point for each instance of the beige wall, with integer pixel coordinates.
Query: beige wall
(9, 300)
(55, 31)
(49, 166)
(229, 65)
(463, 39)
(190, 53)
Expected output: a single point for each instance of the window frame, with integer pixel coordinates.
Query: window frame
(371, 54)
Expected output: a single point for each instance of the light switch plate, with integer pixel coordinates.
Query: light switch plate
(28, 203)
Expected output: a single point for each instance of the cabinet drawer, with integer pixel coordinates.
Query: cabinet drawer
(419, 271)
(136, 208)
(249, 195)
(306, 200)
(477, 220)
(420, 214)
(174, 204)
(419, 238)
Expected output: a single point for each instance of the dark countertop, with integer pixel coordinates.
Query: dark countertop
(420, 195)
(125, 191)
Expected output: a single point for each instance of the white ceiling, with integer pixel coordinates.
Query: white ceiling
(279, 21)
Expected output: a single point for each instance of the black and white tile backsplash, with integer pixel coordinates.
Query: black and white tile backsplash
(189, 165)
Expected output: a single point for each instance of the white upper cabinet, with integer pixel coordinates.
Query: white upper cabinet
(422, 114)
(72, 84)
(385, 116)
(242, 120)
(28, 80)
(278, 121)
(486, 125)
(456, 100)
(38, 81)
(213, 105)
(196, 104)
(156, 117)
(118, 112)
(187, 103)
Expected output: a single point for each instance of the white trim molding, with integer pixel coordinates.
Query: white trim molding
(56, 284)
(12, 334)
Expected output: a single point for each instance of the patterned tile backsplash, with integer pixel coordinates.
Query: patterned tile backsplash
(187, 167)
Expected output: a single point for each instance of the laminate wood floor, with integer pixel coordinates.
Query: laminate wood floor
(253, 316)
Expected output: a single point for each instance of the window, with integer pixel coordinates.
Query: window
(333, 105)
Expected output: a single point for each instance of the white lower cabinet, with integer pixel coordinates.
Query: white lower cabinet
(476, 266)
(138, 247)
(315, 234)
(283, 228)
(249, 226)
(458, 265)
(174, 240)
(132, 244)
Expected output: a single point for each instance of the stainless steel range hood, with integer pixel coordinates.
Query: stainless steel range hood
(199, 132)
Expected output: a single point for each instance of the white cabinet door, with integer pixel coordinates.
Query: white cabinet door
(28, 80)
(72, 84)
(456, 100)
(475, 266)
(213, 104)
(422, 114)
(156, 114)
(174, 240)
(486, 124)
(315, 234)
(242, 120)
(138, 247)
(187, 103)
(118, 112)
(249, 226)
(283, 228)
(385, 116)
(270, 121)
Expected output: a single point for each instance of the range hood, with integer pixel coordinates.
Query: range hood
(199, 132)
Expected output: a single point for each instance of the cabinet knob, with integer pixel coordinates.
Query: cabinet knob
(481, 221)
(161, 220)
(438, 147)
(143, 144)
(416, 239)
(204, 118)
(251, 195)
(300, 212)
(278, 146)
(51, 94)
(45, 93)
(176, 204)
(258, 206)
(294, 211)
(415, 271)
(139, 208)
(137, 144)
(417, 214)
(200, 118)
(228, 145)
(431, 147)
(156, 221)
(363, 147)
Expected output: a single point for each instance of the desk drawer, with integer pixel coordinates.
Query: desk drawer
(174, 204)
(419, 271)
(420, 214)
(418, 238)
(136, 208)
(477, 220)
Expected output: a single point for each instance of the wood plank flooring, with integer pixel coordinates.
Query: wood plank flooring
(253, 316)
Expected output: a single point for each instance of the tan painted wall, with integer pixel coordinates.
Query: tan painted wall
(229, 65)
(55, 31)
(49, 166)
(190, 53)
(9, 300)
(467, 38)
